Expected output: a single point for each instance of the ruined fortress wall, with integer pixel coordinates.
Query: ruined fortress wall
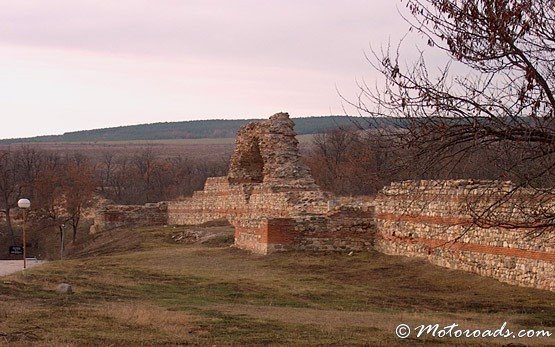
(422, 219)
(269, 197)
(119, 216)
(340, 230)
(221, 200)
(333, 232)
(275, 205)
(216, 202)
(267, 221)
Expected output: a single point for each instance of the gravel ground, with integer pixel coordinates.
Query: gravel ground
(10, 266)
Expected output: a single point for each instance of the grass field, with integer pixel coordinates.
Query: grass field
(136, 287)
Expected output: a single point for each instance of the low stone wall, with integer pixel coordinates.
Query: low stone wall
(436, 220)
(215, 202)
(310, 233)
(344, 229)
(119, 216)
(267, 220)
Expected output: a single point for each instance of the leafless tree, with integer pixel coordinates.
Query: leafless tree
(494, 97)
(352, 162)
(107, 164)
(78, 189)
(10, 186)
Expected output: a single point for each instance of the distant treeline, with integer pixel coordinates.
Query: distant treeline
(197, 129)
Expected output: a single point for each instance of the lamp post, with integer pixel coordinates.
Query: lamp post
(24, 204)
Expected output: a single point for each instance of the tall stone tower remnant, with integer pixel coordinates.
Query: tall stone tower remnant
(269, 196)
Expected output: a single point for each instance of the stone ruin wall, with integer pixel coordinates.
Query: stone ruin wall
(268, 196)
(422, 218)
(274, 205)
(271, 199)
(126, 216)
(264, 229)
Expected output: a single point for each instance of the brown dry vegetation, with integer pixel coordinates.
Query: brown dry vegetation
(205, 148)
(158, 292)
(193, 150)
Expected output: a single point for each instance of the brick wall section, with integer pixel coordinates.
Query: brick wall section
(310, 233)
(217, 201)
(220, 199)
(252, 235)
(119, 216)
(268, 220)
(343, 229)
(434, 220)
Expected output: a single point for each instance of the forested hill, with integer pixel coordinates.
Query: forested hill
(196, 129)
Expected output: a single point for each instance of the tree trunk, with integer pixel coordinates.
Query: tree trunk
(74, 233)
(9, 224)
(61, 241)
(74, 226)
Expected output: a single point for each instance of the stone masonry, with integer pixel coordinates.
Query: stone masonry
(267, 152)
(271, 199)
(123, 216)
(274, 205)
(436, 220)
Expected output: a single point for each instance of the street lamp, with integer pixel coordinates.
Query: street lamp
(24, 204)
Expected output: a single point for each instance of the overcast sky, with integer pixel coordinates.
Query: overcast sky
(72, 65)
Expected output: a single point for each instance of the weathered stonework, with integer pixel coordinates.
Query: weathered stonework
(435, 220)
(271, 199)
(274, 205)
(121, 216)
(267, 152)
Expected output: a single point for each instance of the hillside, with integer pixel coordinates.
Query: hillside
(195, 129)
(166, 286)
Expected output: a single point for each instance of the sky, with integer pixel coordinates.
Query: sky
(70, 65)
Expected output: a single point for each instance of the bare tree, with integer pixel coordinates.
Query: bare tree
(10, 186)
(78, 190)
(495, 96)
(107, 167)
(48, 197)
(352, 162)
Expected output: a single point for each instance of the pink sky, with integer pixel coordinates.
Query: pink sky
(71, 65)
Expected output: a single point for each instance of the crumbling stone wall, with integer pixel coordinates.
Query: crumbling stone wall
(119, 216)
(267, 152)
(332, 231)
(436, 220)
(271, 199)
(274, 205)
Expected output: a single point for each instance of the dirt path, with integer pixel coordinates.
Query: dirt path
(10, 266)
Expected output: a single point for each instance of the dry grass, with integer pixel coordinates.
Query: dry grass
(162, 293)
